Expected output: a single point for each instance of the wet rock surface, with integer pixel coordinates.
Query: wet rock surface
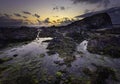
(63, 46)
(105, 44)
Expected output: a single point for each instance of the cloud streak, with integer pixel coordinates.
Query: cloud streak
(62, 8)
(17, 15)
(104, 3)
(55, 8)
(7, 15)
(47, 21)
(59, 8)
(39, 22)
(25, 12)
(25, 17)
(37, 16)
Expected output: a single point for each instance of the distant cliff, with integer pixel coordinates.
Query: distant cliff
(97, 21)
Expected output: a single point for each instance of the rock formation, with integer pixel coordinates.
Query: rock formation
(8, 35)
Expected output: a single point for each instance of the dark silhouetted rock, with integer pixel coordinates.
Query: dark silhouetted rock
(101, 20)
(18, 34)
(8, 35)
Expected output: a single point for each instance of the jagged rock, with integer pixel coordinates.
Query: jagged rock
(63, 46)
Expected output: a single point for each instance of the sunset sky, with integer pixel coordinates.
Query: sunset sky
(48, 12)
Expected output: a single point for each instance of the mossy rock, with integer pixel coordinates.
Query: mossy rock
(101, 74)
(87, 72)
(63, 46)
(69, 59)
(42, 55)
(59, 74)
(114, 51)
(3, 68)
(2, 60)
(25, 79)
(79, 80)
(76, 36)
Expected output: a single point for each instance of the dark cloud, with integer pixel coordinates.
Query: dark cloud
(86, 1)
(36, 15)
(100, 2)
(58, 20)
(47, 21)
(39, 22)
(25, 12)
(44, 22)
(59, 8)
(7, 15)
(6, 21)
(18, 15)
(54, 21)
(62, 8)
(55, 8)
(25, 17)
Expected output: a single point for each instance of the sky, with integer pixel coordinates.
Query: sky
(48, 12)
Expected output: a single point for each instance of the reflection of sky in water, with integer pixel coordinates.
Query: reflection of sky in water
(33, 48)
(29, 55)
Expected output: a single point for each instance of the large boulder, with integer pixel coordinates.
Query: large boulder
(106, 45)
(63, 46)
